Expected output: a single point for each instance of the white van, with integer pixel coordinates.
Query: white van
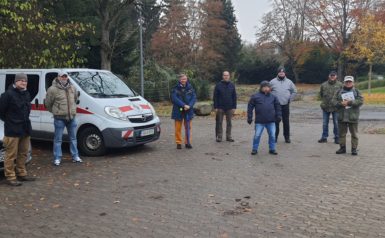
(109, 113)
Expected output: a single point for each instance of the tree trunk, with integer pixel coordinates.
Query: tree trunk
(340, 65)
(105, 48)
(370, 78)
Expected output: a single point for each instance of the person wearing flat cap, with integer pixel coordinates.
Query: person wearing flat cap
(285, 90)
(348, 101)
(15, 107)
(267, 111)
(61, 101)
(327, 91)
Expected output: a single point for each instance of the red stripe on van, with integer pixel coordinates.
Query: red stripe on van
(128, 133)
(144, 106)
(82, 111)
(126, 108)
(41, 107)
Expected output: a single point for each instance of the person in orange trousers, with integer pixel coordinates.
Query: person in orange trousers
(183, 98)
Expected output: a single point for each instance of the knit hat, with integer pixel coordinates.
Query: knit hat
(21, 76)
(265, 84)
(281, 69)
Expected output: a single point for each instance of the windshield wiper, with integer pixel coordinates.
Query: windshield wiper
(119, 95)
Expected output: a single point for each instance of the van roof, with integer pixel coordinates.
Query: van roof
(51, 69)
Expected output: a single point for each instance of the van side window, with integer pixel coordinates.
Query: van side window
(49, 77)
(32, 86)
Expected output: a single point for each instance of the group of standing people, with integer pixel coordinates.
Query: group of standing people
(15, 108)
(342, 101)
(271, 106)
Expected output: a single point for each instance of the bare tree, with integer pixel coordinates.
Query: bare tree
(285, 27)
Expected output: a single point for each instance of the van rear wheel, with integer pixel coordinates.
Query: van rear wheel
(91, 142)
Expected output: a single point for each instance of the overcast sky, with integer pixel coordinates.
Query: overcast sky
(249, 14)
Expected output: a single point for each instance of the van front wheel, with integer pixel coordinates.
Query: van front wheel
(90, 142)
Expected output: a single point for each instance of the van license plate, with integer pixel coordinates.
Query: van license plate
(147, 132)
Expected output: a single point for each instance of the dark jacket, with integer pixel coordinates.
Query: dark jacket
(181, 96)
(225, 96)
(15, 107)
(266, 107)
(351, 113)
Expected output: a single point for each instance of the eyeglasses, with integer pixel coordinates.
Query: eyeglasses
(348, 81)
(64, 76)
(333, 75)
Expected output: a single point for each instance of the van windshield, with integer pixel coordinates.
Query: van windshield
(101, 84)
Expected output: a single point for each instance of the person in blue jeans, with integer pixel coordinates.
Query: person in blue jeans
(267, 111)
(61, 101)
(327, 91)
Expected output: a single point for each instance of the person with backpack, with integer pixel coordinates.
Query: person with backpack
(348, 101)
(183, 98)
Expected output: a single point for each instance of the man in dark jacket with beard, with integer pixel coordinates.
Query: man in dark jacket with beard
(225, 103)
(15, 108)
(267, 111)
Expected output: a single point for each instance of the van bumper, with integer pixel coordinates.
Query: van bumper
(127, 137)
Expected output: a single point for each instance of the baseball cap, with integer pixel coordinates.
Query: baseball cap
(333, 72)
(62, 73)
(349, 78)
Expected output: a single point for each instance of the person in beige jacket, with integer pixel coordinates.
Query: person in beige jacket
(61, 101)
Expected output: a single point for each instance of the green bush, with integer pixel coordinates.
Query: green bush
(375, 84)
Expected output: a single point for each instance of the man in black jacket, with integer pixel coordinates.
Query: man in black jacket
(15, 108)
(225, 103)
(267, 112)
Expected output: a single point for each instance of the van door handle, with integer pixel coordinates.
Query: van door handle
(37, 104)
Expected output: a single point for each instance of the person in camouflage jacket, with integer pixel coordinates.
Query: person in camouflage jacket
(327, 91)
(348, 101)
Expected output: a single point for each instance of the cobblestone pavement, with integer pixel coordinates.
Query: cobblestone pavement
(214, 190)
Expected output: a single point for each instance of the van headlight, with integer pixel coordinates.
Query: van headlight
(115, 112)
(152, 110)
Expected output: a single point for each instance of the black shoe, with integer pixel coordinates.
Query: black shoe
(287, 140)
(179, 146)
(13, 182)
(26, 178)
(219, 139)
(342, 150)
(230, 140)
(254, 152)
(322, 140)
(354, 151)
(273, 152)
(188, 146)
(336, 141)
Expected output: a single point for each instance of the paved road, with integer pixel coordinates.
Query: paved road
(214, 190)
